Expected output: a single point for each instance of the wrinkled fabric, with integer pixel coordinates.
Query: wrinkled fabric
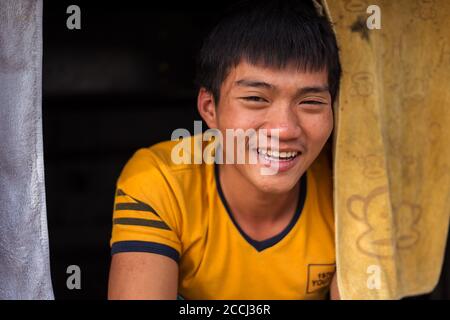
(391, 147)
(24, 253)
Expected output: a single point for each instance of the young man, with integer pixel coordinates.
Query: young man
(226, 231)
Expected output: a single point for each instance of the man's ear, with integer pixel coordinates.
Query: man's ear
(207, 107)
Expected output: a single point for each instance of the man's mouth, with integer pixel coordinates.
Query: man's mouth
(275, 155)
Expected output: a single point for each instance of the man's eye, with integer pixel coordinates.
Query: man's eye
(254, 99)
(312, 102)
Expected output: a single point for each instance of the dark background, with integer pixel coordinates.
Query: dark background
(122, 82)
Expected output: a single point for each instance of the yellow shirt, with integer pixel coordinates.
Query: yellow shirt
(178, 210)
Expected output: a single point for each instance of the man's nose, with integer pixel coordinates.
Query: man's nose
(286, 121)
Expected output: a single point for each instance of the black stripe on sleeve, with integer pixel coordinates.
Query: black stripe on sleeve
(142, 222)
(144, 246)
(120, 192)
(136, 206)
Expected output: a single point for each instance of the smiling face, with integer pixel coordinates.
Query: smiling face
(296, 103)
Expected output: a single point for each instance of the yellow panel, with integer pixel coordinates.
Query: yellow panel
(392, 147)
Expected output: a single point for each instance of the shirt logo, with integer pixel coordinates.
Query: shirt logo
(319, 276)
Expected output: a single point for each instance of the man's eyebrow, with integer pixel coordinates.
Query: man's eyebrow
(254, 83)
(300, 91)
(313, 89)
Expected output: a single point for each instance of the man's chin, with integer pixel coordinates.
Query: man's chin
(275, 184)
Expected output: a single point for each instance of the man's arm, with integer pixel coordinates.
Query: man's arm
(334, 291)
(141, 275)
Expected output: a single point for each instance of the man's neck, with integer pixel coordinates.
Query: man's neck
(260, 214)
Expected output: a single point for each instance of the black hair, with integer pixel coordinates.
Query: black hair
(272, 34)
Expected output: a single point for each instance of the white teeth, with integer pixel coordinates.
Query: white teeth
(277, 154)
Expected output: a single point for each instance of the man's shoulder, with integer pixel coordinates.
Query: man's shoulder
(165, 160)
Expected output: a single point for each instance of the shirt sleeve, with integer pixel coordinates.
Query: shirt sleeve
(145, 214)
